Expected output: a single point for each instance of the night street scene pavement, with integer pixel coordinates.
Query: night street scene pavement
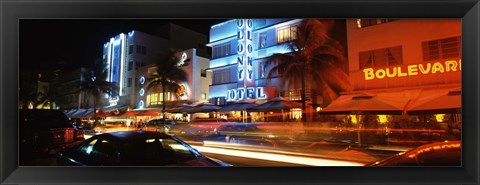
(240, 92)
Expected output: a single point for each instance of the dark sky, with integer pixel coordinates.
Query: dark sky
(45, 42)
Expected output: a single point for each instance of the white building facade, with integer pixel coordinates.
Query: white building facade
(124, 54)
(194, 90)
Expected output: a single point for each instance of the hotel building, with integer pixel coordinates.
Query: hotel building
(126, 54)
(240, 48)
(192, 91)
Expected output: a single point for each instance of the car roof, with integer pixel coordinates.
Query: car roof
(436, 144)
(132, 135)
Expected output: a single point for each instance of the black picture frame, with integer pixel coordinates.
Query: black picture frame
(12, 11)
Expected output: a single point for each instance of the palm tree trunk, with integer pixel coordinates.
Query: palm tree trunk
(304, 113)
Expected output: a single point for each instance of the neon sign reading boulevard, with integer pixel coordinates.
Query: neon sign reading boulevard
(413, 70)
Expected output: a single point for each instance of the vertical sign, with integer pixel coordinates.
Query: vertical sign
(244, 53)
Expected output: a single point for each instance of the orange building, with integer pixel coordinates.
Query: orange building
(406, 76)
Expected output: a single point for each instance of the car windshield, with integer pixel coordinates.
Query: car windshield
(156, 151)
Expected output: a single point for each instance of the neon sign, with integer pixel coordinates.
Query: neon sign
(246, 93)
(182, 60)
(413, 70)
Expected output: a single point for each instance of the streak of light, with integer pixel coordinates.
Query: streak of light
(277, 157)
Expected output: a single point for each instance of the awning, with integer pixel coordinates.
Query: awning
(382, 103)
(277, 104)
(238, 106)
(203, 108)
(112, 108)
(445, 101)
(410, 101)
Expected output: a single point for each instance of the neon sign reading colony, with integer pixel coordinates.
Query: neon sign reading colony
(413, 70)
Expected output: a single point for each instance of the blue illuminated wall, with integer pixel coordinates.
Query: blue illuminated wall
(236, 33)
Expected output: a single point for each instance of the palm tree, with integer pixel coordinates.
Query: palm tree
(96, 85)
(167, 75)
(314, 57)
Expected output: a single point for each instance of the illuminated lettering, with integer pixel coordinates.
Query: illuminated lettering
(437, 66)
(240, 48)
(240, 74)
(369, 75)
(240, 61)
(400, 72)
(245, 93)
(239, 35)
(240, 93)
(250, 92)
(249, 61)
(451, 65)
(423, 70)
(260, 93)
(250, 73)
(232, 94)
(380, 73)
(412, 70)
(391, 75)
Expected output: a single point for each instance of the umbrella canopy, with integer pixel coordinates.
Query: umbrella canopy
(237, 106)
(102, 114)
(128, 113)
(203, 107)
(146, 113)
(71, 112)
(79, 113)
(277, 103)
(179, 109)
(368, 104)
(446, 102)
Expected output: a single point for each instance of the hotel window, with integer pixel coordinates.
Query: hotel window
(261, 70)
(362, 23)
(130, 49)
(139, 49)
(203, 73)
(221, 50)
(130, 65)
(129, 82)
(144, 50)
(221, 76)
(156, 98)
(446, 48)
(286, 34)
(262, 42)
(381, 57)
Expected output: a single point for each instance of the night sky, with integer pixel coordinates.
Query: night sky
(78, 42)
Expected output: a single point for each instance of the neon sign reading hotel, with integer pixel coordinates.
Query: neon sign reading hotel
(413, 70)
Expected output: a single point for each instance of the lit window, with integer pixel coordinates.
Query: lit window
(362, 23)
(286, 34)
(204, 96)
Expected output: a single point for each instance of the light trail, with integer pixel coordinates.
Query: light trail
(309, 161)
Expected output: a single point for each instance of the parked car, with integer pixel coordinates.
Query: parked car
(135, 148)
(44, 132)
(434, 154)
(158, 125)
